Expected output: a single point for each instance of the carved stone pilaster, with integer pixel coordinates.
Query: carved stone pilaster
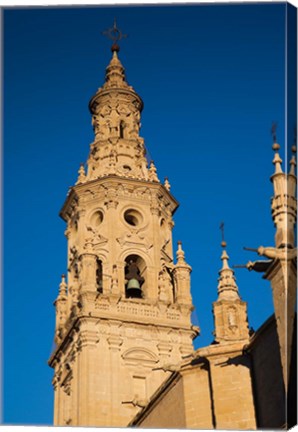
(164, 349)
(115, 342)
(88, 272)
(182, 281)
(88, 338)
(154, 206)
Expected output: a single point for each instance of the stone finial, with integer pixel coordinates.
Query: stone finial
(82, 175)
(283, 203)
(167, 184)
(227, 287)
(277, 161)
(180, 254)
(63, 286)
(293, 161)
(152, 172)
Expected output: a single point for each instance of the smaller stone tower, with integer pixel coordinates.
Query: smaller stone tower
(229, 365)
(280, 267)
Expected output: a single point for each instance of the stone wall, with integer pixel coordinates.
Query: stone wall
(167, 411)
(267, 377)
(232, 393)
(198, 403)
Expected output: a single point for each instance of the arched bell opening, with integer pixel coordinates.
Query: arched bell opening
(99, 276)
(135, 276)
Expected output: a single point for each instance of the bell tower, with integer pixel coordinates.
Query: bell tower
(123, 310)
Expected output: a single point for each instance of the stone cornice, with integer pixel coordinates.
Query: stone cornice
(114, 180)
(67, 338)
(106, 92)
(222, 350)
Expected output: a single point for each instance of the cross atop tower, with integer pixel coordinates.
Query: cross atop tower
(115, 35)
(222, 228)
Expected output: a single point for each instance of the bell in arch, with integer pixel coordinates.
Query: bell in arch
(134, 281)
(133, 288)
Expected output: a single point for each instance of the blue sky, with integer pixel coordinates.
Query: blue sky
(212, 78)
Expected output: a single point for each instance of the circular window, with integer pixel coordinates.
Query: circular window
(133, 217)
(97, 218)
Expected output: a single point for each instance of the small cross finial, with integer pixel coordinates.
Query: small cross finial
(115, 35)
(273, 131)
(222, 227)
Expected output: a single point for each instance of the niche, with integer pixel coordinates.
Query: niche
(122, 129)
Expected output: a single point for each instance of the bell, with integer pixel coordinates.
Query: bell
(133, 288)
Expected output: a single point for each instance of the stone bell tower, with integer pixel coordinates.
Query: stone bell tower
(124, 312)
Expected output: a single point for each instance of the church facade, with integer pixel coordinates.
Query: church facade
(124, 353)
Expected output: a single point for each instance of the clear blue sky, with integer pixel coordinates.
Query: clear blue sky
(212, 79)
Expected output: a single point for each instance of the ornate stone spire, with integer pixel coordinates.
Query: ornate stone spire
(181, 272)
(227, 287)
(116, 110)
(61, 309)
(63, 287)
(230, 315)
(82, 175)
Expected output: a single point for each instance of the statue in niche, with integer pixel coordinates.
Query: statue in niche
(113, 157)
(95, 124)
(114, 280)
(232, 319)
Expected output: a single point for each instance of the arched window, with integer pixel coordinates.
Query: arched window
(121, 129)
(99, 275)
(135, 276)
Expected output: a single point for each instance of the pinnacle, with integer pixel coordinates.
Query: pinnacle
(115, 75)
(227, 287)
(293, 161)
(277, 159)
(62, 286)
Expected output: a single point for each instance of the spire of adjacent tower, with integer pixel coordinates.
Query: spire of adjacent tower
(227, 287)
(277, 161)
(280, 269)
(283, 202)
(293, 161)
(230, 316)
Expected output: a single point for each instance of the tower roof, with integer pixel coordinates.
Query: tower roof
(115, 79)
(227, 287)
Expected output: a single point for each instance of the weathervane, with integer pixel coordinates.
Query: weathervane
(115, 35)
(222, 227)
(273, 131)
